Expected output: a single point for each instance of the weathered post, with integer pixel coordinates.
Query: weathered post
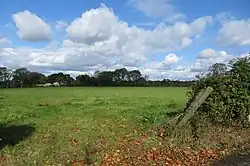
(195, 104)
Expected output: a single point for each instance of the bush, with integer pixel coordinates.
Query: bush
(229, 103)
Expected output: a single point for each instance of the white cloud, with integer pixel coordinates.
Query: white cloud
(4, 41)
(163, 65)
(99, 40)
(157, 9)
(179, 73)
(101, 29)
(168, 68)
(61, 25)
(208, 57)
(210, 53)
(74, 59)
(94, 25)
(204, 59)
(244, 55)
(235, 32)
(172, 59)
(31, 27)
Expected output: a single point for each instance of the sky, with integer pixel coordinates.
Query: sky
(172, 39)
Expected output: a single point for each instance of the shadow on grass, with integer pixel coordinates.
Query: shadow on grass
(237, 160)
(173, 113)
(13, 134)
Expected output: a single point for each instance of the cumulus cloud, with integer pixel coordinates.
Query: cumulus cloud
(95, 25)
(99, 40)
(157, 9)
(168, 68)
(31, 27)
(169, 59)
(101, 28)
(180, 73)
(235, 32)
(176, 70)
(204, 59)
(4, 41)
(172, 59)
(208, 57)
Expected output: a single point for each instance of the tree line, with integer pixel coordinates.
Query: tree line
(22, 77)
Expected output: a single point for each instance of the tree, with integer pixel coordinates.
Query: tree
(241, 68)
(64, 79)
(218, 69)
(96, 74)
(134, 75)
(93, 81)
(141, 81)
(121, 75)
(56, 77)
(21, 77)
(106, 78)
(69, 81)
(83, 80)
(36, 78)
(5, 77)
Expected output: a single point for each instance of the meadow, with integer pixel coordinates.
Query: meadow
(65, 126)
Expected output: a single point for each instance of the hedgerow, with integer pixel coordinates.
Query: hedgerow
(229, 103)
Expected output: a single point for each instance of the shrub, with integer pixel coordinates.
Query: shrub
(229, 103)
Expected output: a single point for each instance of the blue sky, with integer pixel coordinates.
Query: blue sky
(163, 38)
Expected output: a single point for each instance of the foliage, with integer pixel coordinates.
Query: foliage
(61, 78)
(5, 77)
(229, 103)
(22, 77)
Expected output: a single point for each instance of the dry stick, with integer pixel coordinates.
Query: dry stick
(196, 103)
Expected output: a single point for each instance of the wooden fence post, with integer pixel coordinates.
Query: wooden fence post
(195, 104)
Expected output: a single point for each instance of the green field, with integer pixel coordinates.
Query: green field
(64, 125)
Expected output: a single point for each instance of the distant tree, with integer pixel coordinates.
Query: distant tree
(121, 75)
(36, 78)
(106, 78)
(141, 81)
(96, 74)
(56, 77)
(21, 77)
(5, 77)
(134, 75)
(83, 80)
(218, 69)
(63, 79)
(69, 80)
(93, 81)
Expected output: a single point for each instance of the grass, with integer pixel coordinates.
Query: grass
(66, 125)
